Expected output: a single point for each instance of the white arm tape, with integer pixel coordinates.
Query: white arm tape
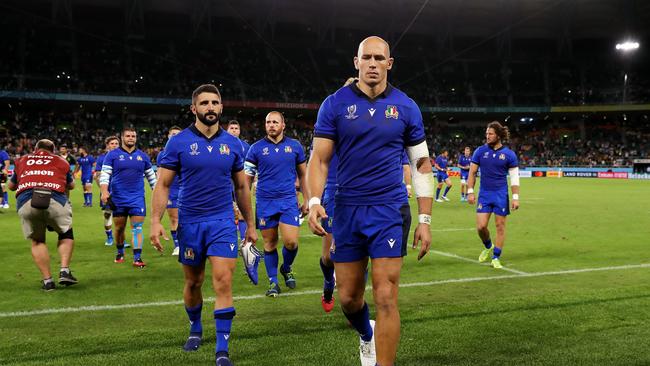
(514, 176)
(422, 183)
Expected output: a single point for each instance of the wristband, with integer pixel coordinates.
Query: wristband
(314, 201)
(515, 196)
(424, 219)
(470, 190)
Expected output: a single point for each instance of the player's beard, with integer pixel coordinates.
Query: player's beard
(204, 118)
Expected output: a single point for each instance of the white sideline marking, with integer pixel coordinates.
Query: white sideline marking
(17, 314)
(456, 256)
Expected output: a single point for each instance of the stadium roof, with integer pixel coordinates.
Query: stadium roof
(543, 19)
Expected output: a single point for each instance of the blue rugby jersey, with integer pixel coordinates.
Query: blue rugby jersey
(205, 167)
(494, 165)
(173, 189)
(123, 172)
(442, 162)
(464, 160)
(86, 164)
(275, 167)
(370, 137)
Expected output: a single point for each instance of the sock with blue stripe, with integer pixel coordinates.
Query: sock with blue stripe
(361, 322)
(328, 275)
(487, 243)
(288, 256)
(271, 264)
(194, 314)
(223, 324)
(497, 253)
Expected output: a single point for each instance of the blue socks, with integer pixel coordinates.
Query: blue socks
(437, 193)
(88, 199)
(288, 256)
(446, 191)
(120, 248)
(328, 276)
(136, 254)
(497, 253)
(487, 243)
(223, 322)
(361, 322)
(109, 234)
(175, 238)
(271, 264)
(5, 197)
(194, 314)
(241, 224)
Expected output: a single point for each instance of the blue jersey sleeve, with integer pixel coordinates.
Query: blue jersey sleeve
(3, 156)
(238, 164)
(147, 161)
(98, 163)
(168, 158)
(439, 161)
(251, 156)
(414, 126)
(476, 156)
(513, 162)
(300, 153)
(405, 158)
(326, 121)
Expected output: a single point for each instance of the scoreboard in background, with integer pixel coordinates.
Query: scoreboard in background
(641, 166)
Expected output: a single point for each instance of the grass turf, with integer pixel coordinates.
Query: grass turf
(598, 317)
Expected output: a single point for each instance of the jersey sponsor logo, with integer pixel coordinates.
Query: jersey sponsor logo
(209, 148)
(121, 157)
(288, 149)
(352, 110)
(391, 242)
(480, 206)
(391, 112)
(224, 149)
(189, 254)
(486, 154)
(194, 149)
(232, 247)
(265, 151)
(372, 111)
(262, 222)
(502, 157)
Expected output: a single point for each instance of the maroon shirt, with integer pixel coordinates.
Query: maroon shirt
(41, 170)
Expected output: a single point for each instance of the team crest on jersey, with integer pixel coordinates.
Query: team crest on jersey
(139, 158)
(224, 149)
(502, 157)
(352, 110)
(265, 151)
(189, 254)
(391, 112)
(194, 149)
(287, 149)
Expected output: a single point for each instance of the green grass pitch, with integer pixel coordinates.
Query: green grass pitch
(575, 292)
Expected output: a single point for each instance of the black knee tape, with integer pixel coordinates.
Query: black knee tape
(67, 235)
(228, 315)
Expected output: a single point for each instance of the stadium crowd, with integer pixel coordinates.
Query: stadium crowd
(614, 143)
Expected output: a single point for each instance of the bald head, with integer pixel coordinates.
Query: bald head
(374, 42)
(274, 124)
(373, 62)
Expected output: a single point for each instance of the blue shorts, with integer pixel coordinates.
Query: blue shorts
(270, 213)
(86, 179)
(122, 211)
(215, 238)
(442, 176)
(496, 202)
(328, 204)
(464, 175)
(379, 231)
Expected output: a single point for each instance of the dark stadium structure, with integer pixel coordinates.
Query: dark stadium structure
(81, 70)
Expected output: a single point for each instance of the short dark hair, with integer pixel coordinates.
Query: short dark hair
(233, 122)
(174, 127)
(111, 138)
(45, 144)
(128, 129)
(205, 88)
(62, 145)
(502, 131)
